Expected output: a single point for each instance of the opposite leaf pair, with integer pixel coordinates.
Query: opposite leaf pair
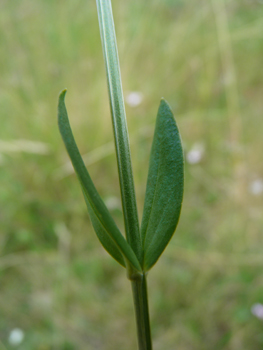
(163, 198)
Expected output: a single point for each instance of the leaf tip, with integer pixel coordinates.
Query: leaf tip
(62, 94)
(61, 106)
(164, 103)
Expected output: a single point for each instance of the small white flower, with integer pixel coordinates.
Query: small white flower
(256, 187)
(257, 310)
(113, 203)
(134, 98)
(16, 336)
(196, 154)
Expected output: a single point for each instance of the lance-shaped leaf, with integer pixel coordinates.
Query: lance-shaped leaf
(103, 223)
(164, 192)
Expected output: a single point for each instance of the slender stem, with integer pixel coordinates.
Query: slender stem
(140, 299)
(138, 281)
(108, 37)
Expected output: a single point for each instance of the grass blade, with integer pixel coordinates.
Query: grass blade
(104, 225)
(164, 191)
(129, 205)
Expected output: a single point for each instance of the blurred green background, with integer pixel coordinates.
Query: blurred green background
(58, 288)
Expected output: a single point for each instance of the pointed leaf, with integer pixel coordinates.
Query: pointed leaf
(104, 225)
(164, 191)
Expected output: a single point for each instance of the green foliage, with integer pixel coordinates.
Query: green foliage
(164, 190)
(201, 301)
(165, 180)
(164, 193)
(105, 227)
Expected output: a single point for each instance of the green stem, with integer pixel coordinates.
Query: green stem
(108, 38)
(140, 299)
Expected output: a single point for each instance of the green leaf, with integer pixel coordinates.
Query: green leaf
(105, 239)
(103, 223)
(164, 193)
(129, 205)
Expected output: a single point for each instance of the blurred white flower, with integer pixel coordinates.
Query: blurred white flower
(256, 187)
(134, 98)
(257, 310)
(113, 203)
(16, 336)
(195, 154)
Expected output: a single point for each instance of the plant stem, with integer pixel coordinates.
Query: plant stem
(140, 299)
(129, 205)
(138, 281)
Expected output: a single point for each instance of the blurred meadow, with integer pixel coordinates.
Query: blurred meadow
(59, 289)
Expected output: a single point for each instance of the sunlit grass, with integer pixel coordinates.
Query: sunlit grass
(56, 280)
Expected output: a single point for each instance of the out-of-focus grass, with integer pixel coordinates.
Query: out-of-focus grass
(56, 282)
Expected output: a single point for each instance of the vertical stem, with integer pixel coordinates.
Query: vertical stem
(138, 281)
(108, 38)
(140, 299)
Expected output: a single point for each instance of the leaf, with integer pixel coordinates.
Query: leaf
(103, 223)
(129, 205)
(164, 192)
(102, 235)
